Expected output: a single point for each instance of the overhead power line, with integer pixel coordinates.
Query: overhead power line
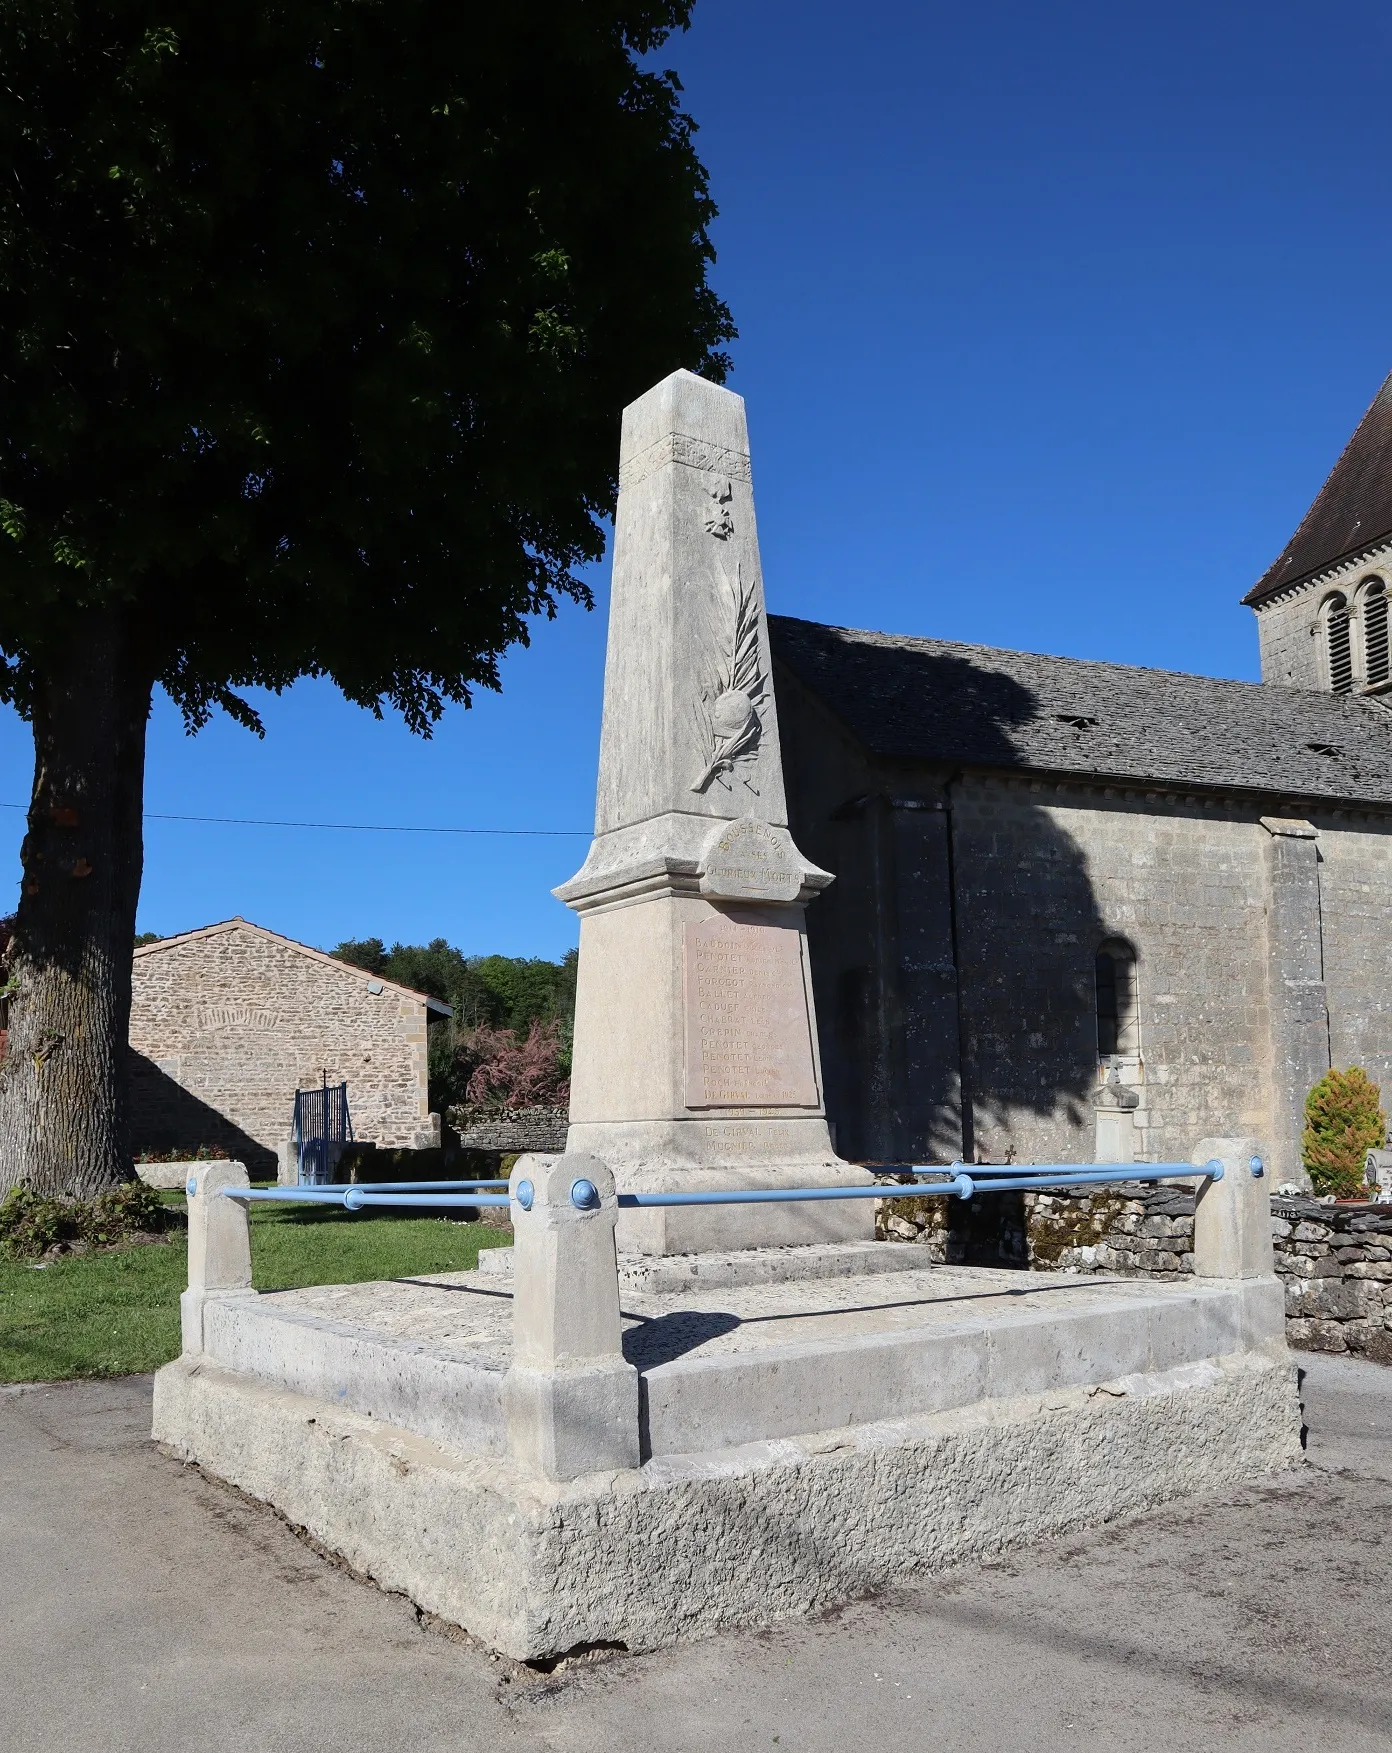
(355, 827)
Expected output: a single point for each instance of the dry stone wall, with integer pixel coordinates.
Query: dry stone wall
(510, 1129)
(227, 1023)
(1335, 1261)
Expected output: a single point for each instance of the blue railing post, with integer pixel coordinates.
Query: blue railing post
(570, 1397)
(219, 1244)
(1232, 1214)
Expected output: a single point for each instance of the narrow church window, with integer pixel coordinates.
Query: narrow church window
(1118, 1021)
(1339, 646)
(1375, 655)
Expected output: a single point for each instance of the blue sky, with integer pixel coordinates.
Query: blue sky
(1052, 319)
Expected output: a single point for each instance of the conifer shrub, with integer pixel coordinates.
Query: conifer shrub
(1343, 1122)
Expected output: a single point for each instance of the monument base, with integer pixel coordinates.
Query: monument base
(803, 1440)
(696, 1068)
(695, 1156)
(696, 1543)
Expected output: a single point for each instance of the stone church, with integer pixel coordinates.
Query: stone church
(1090, 912)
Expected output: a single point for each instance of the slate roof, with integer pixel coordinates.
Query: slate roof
(973, 706)
(1352, 511)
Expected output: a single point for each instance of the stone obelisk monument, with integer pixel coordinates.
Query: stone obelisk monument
(695, 1060)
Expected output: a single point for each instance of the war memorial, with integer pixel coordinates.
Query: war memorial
(696, 1392)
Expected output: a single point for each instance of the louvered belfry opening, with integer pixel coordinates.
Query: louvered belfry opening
(1340, 645)
(1375, 653)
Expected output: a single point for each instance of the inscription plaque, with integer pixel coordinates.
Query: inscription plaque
(748, 862)
(748, 1033)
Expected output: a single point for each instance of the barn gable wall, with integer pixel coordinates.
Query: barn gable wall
(225, 1026)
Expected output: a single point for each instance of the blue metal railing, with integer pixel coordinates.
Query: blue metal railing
(444, 1195)
(428, 1186)
(1012, 1178)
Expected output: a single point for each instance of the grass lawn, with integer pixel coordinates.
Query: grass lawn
(117, 1314)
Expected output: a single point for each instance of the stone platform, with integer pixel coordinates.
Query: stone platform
(814, 1423)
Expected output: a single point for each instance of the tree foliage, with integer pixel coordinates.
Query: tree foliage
(504, 992)
(316, 317)
(1343, 1122)
(316, 321)
(513, 1013)
(512, 1073)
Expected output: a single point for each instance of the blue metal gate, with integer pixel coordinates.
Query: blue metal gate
(322, 1127)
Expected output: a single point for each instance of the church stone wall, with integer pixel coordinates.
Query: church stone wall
(1290, 656)
(226, 1026)
(1048, 871)
(1355, 877)
(843, 818)
(962, 931)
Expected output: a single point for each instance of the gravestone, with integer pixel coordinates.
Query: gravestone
(695, 1062)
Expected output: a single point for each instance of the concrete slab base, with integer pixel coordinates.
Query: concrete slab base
(799, 1439)
(744, 1536)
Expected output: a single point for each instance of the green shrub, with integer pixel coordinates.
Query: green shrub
(128, 1210)
(32, 1223)
(1343, 1122)
(206, 1153)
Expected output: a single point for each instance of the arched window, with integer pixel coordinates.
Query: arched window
(1118, 1017)
(1338, 646)
(1373, 603)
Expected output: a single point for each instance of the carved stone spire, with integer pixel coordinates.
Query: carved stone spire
(690, 734)
(695, 1039)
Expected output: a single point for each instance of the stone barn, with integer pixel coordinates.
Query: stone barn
(229, 1021)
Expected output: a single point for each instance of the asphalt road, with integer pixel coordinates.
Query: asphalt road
(143, 1607)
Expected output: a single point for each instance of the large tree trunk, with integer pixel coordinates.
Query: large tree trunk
(63, 1082)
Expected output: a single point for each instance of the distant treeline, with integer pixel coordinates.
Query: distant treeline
(498, 1001)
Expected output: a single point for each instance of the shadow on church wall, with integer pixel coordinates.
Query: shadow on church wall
(953, 958)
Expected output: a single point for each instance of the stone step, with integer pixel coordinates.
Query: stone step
(746, 1266)
(762, 1361)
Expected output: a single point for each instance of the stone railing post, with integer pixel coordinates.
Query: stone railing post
(570, 1399)
(219, 1245)
(1232, 1217)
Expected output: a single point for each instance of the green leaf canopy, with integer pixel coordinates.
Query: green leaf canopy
(315, 323)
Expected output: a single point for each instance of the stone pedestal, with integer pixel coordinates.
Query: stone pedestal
(696, 1059)
(1114, 1107)
(569, 1399)
(219, 1245)
(1232, 1217)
